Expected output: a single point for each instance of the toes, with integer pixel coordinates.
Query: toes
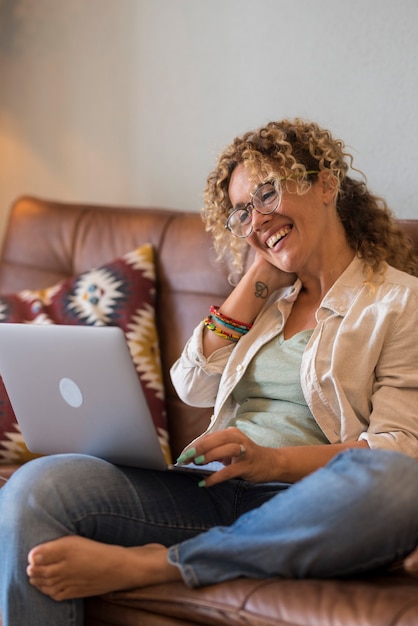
(34, 557)
(42, 571)
(45, 554)
(45, 579)
(53, 589)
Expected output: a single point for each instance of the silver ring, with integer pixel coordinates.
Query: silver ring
(242, 451)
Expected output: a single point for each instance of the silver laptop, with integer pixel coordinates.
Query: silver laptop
(75, 389)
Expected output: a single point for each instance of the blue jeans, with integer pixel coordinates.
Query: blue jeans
(358, 513)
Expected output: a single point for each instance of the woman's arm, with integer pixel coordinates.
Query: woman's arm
(197, 373)
(258, 463)
(293, 463)
(248, 298)
(196, 378)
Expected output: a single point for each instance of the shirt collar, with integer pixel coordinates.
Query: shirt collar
(340, 296)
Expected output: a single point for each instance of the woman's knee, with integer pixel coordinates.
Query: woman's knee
(47, 485)
(381, 476)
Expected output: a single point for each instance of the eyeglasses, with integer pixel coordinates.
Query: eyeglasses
(265, 200)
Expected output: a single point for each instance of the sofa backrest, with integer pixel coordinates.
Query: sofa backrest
(47, 241)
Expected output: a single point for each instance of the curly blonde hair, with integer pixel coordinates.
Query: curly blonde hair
(292, 150)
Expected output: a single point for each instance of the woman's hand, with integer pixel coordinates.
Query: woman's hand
(241, 456)
(274, 277)
(245, 459)
(248, 298)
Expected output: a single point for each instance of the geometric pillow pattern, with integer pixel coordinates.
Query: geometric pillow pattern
(119, 293)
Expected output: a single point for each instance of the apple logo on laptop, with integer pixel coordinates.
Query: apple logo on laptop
(71, 392)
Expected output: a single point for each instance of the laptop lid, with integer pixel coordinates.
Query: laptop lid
(75, 389)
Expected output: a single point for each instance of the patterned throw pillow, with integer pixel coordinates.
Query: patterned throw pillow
(120, 293)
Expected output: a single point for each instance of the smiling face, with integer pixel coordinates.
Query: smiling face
(304, 233)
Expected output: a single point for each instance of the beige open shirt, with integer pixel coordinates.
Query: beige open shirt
(359, 371)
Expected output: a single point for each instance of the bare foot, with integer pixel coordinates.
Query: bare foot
(410, 564)
(75, 567)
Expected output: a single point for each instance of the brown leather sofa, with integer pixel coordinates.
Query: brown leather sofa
(48, 241)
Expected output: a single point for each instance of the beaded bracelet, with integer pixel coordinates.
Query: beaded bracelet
(242, 331)
(211, 326)
(229, 322)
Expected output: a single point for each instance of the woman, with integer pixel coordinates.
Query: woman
(311, 366)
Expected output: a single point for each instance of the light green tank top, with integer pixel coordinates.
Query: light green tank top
(273, 411)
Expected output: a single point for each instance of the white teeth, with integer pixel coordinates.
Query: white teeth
(277, 236)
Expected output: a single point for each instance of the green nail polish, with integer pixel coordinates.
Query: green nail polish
(199, 460)
(202, 483)
(189, 454)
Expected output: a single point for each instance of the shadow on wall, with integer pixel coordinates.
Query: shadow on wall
(12, 20)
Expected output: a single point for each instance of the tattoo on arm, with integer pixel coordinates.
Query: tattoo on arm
(261, 290)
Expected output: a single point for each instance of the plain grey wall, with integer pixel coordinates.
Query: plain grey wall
(130, 101)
